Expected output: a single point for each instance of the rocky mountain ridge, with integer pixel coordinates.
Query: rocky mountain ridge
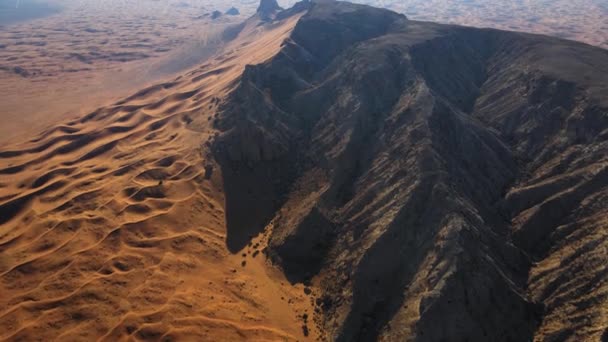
(437, 182)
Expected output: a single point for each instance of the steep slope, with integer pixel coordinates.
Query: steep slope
(434, 182)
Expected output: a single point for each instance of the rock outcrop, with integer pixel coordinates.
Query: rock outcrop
(267, 9)
(233, 11)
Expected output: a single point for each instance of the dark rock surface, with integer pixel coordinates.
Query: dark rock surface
(268, 8)
(442, 183)
(233, 11)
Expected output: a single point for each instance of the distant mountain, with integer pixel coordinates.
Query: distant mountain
(233, 11)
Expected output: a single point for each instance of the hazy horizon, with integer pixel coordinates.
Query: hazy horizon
(582, 20)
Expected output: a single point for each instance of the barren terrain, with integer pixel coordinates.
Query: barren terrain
(84, 54)
(328, 172)
(54, 53)
(112, 224)
(582, 20)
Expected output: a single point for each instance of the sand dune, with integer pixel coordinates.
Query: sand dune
(91, 53)
(113, 224)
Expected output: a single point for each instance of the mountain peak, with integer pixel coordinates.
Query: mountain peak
(267, 8)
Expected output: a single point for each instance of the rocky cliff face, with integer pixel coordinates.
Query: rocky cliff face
(436, 182)
(267, 9)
